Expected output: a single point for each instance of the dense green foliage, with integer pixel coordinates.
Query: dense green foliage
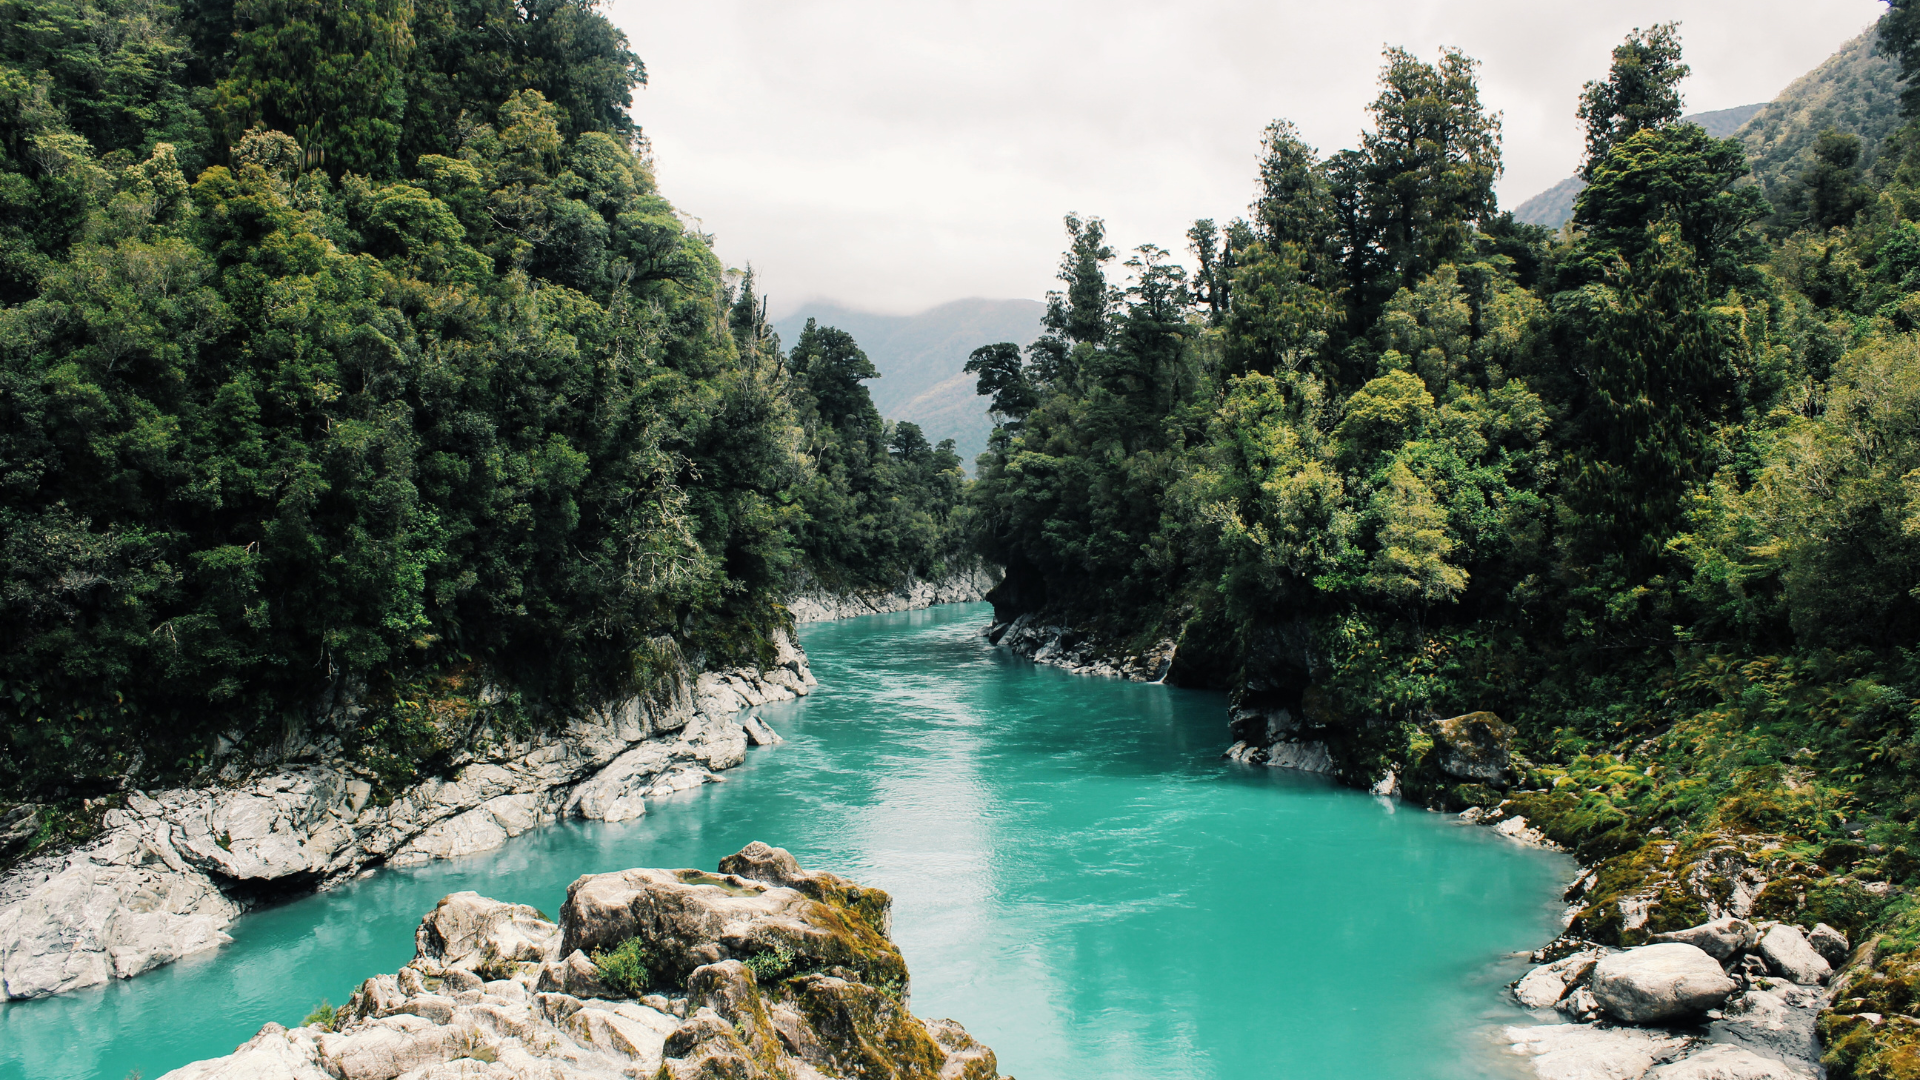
(353, 367)
(1649, 488)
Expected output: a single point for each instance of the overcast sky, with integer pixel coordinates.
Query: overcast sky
(895, 154)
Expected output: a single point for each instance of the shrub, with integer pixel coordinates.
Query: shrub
(624, 968)
(324, 1015)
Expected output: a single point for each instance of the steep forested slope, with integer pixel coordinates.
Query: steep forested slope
(354, 370)
(1380, 455)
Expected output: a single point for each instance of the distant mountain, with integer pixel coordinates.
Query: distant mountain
(920, 357)
(1857, 90)
(1554, 206)
(1725, 123)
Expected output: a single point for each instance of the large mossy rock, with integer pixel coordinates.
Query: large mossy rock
(1476, 747)
(769, 973)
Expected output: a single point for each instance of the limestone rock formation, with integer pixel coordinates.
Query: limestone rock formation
(1660, 982)
(173, 869)
(825, 605)
(764, 971)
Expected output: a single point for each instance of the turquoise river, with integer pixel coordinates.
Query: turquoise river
(1078, 877)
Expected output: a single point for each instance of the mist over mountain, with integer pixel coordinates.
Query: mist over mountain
(920, 357)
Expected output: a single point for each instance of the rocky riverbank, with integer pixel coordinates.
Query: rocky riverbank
(1049, 641)
(171, 870)
(761, 971)
(819, 604)
(1725, 1000)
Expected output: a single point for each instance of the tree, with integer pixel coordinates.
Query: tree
(1830, 187)
(1291, 207)
(1900, 36)
(831, 366)
(1677, 174)
(1083, 314)
(1641, 92)
(1431, 161)
(1004, 381)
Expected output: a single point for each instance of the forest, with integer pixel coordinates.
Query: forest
(1647, 488)
(354, 370)
(352, 365)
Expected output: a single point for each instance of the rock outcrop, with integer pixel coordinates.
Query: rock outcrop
(770, 973)
(173, 869)
(825, 605)
(1061, 645)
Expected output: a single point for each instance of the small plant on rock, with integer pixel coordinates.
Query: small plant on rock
(771, 966)
(324, 1015)
(625, 967)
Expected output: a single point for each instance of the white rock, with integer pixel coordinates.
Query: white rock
(1310, 757)
(1516, 829)
(1725, 1063)
(1831, 944)
(467, 930)
(482, 828)
(758, 733)
(1584, 1052)
(1545, 985)
(1719, 939)
(273, 1054)
(1787, 952)
(1659, 982)
(143, 893)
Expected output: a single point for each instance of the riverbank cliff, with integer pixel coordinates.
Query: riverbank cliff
(170, 870)
(761, 971)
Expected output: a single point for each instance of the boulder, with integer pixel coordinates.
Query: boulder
(576, 976)
(1787, 952)
(1831, 944)
(1720, 939)
(1544, 986)
(758, 733)
(777, 866)
(1724, 1063)
(1474, 747)
(467, 930)
(1580, 1006)
(1777, 1022)
(1659, 982)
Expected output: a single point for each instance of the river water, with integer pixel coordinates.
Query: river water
(1078, 878)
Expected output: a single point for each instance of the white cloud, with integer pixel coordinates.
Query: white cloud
(894, 155)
